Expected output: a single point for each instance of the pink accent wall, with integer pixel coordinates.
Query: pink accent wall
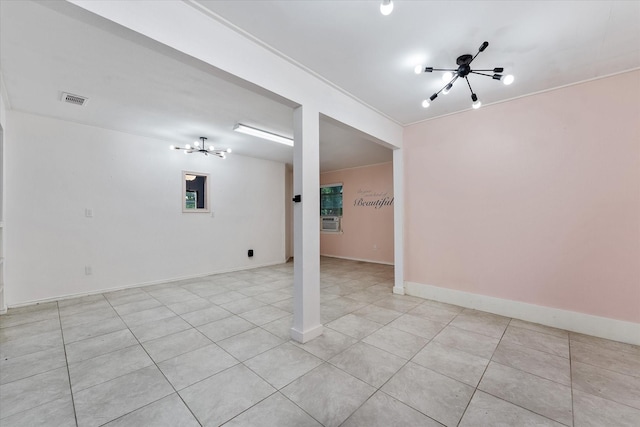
(534, 200)
(367, 230)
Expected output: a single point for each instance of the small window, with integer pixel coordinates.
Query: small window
(194, 192)
(331, 200)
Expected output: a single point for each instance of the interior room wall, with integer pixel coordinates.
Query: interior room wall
(288, 206)
(3, 123)
(367, 221)
(535, 200)
(137, 234)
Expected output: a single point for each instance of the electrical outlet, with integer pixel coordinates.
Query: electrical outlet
(87, 270)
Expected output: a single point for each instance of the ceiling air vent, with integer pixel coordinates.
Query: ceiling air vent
(74, 99)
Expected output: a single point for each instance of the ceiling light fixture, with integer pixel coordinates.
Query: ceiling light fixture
(463, 70)
(199, 147)
(248, 130)
(386, 7)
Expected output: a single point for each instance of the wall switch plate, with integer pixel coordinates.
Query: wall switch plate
(88, 213)
(87, 270)
(250, 253)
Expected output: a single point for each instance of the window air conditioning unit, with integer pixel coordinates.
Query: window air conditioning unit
(330, 223)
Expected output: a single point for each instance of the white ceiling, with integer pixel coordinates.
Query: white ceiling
(138, 86)
(545, 44)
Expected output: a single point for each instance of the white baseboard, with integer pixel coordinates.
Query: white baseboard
(306, 336)
(357, 259)
(603, 327)
(135, 285)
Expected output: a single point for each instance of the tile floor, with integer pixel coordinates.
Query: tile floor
(216, 351)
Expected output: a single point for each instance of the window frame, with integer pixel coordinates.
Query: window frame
(336, 184)
(205, 194)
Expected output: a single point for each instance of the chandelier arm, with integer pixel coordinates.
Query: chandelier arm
(443, 87)
(482, 74)
(483, 46)
(469, 84)
(442, 69)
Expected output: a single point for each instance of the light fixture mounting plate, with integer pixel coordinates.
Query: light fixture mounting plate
(464, 59)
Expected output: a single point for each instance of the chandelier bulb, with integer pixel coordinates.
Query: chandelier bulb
(508, 79)
(172, 147)
(418, 69)
(476, 102)
(447, 76)
(187, 147)
(228, 150)
(425, 104)
(386, 7)
(211, 148)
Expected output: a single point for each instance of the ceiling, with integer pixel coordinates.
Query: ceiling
(544, 44)
(141, 87)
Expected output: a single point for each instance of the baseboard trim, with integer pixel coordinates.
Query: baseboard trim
(357, 259)
(306, 336)
(603, 327)
(136, 285)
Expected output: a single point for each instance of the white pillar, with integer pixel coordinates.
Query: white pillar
(306, 225)
(398, 221)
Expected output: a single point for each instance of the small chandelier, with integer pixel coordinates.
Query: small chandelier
(463, 71)
(200, 147)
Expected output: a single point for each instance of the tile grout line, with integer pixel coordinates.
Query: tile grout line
(323, 363)
(240, 362)
(158, 368)
(476, 388)
(64, 347)
(512, 403)
(379, 389)
(573, 412)
(523, 408)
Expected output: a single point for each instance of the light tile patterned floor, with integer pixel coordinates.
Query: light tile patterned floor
(216, 351)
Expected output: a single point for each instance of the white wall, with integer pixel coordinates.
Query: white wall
(3, 121)
(288, 180)
(138, 234)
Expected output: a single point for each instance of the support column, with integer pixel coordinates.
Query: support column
(398, 221)
(306, 225)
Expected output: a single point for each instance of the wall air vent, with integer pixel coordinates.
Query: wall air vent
(74, 99)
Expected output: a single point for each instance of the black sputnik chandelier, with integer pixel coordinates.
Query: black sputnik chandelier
(199, 147)
(462, 72)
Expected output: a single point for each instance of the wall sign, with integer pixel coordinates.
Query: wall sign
(374, 199)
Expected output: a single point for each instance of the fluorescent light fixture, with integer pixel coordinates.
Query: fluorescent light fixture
(263, 134)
